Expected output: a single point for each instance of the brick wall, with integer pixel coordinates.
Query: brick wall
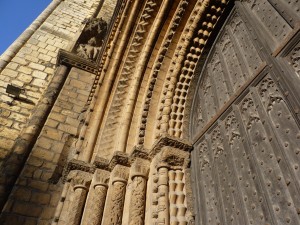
(33, 65)
(36, 194)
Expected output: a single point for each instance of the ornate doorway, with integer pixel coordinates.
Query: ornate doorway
(245, 119)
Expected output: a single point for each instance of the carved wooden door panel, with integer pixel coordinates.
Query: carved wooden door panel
(245, 122)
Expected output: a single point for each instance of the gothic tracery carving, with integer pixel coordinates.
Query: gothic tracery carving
(268, 89)
(248, 108)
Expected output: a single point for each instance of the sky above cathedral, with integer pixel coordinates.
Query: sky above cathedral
(16, 16)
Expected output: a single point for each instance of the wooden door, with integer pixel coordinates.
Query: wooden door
(245, 119)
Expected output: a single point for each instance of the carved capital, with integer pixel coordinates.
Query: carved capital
(172, 158)
(119, 158)
(80, 179)
(101, 163)
(140, 167)
(120, 174)
(139, 152)
(170, 142)
(77, 165)
(101, 178)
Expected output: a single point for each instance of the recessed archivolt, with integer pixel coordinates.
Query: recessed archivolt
(171, 110)
(190, 47)
(126, 81)
(164, 48)
(173, 122)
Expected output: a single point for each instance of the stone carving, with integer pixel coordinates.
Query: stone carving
(137, 205)
(171, 142)
(114, 213)
(173, 158)
(175, 91)
(80, 182)
(92, 38)
(117, 203)
(76, 165)
(89, 50)
(126, 78)
(177, 196)
(139, 152)
(101, 163)
(138, 198)
(158, 63)
(72, 59)
(119, 158)
(163, 216)
(96, 200)
(79, 179)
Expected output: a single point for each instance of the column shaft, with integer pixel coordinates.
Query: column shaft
(137, 203)
(76, 207)
(163, 196)
(95, 205)
(116, 203)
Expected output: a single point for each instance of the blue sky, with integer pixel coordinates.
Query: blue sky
(16, 16)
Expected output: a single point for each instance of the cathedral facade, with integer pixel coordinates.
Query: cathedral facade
(163, 112)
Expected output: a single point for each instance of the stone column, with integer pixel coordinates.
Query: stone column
(170, 159)
(114, 213)
(138, 196)
(94, 207)
(80, 181)
(163, 196)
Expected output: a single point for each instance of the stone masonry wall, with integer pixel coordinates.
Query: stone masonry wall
(36, 192)
(33, 65)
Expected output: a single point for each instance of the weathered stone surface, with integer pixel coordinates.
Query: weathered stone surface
(118, 125)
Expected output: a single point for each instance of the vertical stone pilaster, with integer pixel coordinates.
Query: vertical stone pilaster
(94, 207)
(81, 182)
(60, 205)
(138, 196)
